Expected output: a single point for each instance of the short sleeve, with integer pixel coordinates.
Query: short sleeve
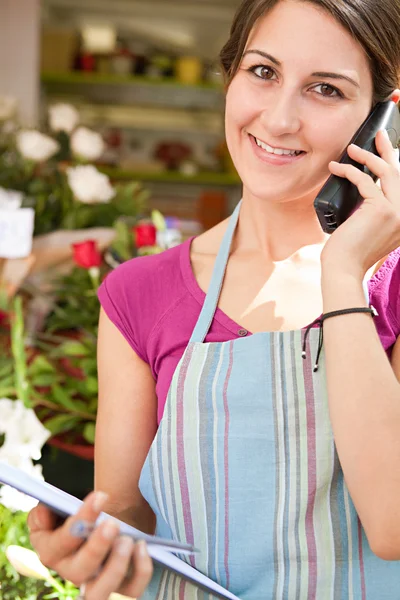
(121, 300)
(385, 297)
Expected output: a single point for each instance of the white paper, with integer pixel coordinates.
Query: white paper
(65, 504)
(16, 232)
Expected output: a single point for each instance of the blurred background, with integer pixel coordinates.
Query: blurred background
(145, 75)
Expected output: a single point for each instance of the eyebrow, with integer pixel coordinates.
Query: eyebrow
(326, 74)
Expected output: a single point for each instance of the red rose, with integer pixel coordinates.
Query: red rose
(86, 254)
(145, 235)
(3, 318)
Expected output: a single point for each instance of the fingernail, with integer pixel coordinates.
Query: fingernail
(385, 133)
(81, 529)
(110, 530)
(142, 549)
(99, 500)
(37, 520)
(124, 546)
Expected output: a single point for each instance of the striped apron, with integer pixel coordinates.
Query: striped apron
(244, 467)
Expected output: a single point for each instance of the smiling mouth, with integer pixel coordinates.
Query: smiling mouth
(276, 151)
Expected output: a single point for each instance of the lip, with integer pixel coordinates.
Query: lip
(273, 159)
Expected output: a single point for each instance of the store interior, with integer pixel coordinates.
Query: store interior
(145, 74)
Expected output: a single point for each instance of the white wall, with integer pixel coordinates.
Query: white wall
(19, 55)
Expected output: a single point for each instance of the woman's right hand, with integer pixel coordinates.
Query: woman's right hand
(81, 561)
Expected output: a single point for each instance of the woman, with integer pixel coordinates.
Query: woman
(286, 479)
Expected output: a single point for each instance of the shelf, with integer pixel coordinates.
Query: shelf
(116, 89)
(206, 178)
(114, 79)
(152, 119)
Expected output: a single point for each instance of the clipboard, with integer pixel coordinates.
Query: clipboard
(160, 549)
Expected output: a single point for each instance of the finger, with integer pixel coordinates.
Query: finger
(113, 574)
(87, 561)
(41, 518)
(56, 545)
(380, 166)
(385, 149)
(142, 572)
(387, 170)
(365, 184)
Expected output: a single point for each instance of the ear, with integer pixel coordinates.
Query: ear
(395, 96)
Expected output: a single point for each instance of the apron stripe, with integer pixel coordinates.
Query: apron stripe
(170, 489)
(361, 558)
(226, 462)
(216, 460)
(337, 529)
(192, 453)
(297, 483)
(157, 481)
(288, 461)
(350, 542)
(206, 419)
(303, 475)
(181, 457)
(312, 468)
(324, 452)
(280, 470)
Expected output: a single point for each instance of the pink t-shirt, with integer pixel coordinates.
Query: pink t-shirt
(155, 302)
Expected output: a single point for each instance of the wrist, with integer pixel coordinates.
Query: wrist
(342, 290)
(341, 266)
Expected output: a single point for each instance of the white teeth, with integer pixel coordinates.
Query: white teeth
(278, 151)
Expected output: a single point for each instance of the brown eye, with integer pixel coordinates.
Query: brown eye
(329, 91)
(262, 72)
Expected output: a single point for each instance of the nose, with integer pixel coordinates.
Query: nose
(282, 115)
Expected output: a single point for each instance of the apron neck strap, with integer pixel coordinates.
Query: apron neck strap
(214, 291)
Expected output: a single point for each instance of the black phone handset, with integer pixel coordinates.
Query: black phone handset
(339, 198)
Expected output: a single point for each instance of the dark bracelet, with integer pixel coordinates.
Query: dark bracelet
(320, 321)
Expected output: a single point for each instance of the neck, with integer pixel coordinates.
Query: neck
(278, 230)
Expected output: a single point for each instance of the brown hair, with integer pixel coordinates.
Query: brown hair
(375, 24)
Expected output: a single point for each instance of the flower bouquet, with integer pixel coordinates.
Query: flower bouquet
(50, 172)
(50, 175)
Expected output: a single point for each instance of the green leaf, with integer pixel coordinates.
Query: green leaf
(44, 379)
(61, 423)
(89, 432)
(73, 349)
(39, 365)
(158, 220)
(123, 241)
(89, 366)
(60, 396)
(86, 388)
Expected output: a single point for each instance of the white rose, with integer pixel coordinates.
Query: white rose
(10, 199)
(24, 433)
(12, 498)
(89, 185)
(16, 501)
(8, 107)
(9, 496)
(36, 146)
(87, 144)
(63, 117)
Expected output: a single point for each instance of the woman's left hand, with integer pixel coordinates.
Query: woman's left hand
(373, 230)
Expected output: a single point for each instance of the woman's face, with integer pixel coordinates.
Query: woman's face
(303, 103)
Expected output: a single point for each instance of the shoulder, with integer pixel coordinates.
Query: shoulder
(139, 292)
(149, 268)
